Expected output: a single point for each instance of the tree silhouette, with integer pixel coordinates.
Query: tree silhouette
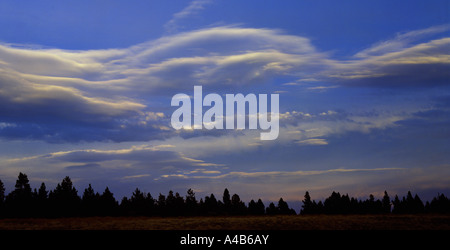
(137, 203)
(308, 206)
(397, 205)
(256, 208)
(386, 203)
(19, 201)
(64, 199)
(170, 204)
(226, 202)
(237, 206)
(2, 198)
(108, 204)
(439, 204)
(90, 202)
(2, 192)
(191, 205)
(41, 200)
(332, 204)
(408, 205)
(271, 209)
(161, 205)
(211, 205)
(179, 204)
(283, 208)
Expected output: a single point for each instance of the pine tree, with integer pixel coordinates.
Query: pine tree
(2, 198)
(64, 199)
(260, 208)
(307, 207)
(386, 203)
(19, 201)
(271, 209)
(108, 203)
(191, 203)
(137, 203)
(237, 206)
(2, 193)
(90, 202)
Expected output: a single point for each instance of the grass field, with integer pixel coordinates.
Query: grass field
(318, 222)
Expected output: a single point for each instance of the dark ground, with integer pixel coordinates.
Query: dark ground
(311, 222)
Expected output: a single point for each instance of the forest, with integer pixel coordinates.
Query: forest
(64, 201)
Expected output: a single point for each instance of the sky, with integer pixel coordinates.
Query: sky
(364, 96)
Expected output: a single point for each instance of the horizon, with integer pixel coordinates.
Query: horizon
(364, 90)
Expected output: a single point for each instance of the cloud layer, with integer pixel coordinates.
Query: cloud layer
(100, 95)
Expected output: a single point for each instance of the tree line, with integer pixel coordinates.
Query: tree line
(64, 201)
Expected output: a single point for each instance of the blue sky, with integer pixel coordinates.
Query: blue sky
(364, 95)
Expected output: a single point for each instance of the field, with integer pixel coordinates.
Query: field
(318, 222)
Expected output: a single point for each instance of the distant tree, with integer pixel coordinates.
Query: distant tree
(226, 202)
(41, 201)
(237, 206)
(150, 205)
(439, 204)
(211, 205)
(418, 205)
(174, 204)
(252, 207)
(170, 204)
(397, 206)
(191, 204)
(2, 193)
(386, 203)
(260, 208)
(308, 206)
(332, 204)
(256, 208)
(355, 206)
(64, 199)
(124, 206)
(201, 207)
(410, 203)
(108, 204)
(137, 203)
(19, 201)
(320, 207)
(161, 205)
(90, 202)
(283, 208)
(2, 198)
(179, 204)
(271, 209)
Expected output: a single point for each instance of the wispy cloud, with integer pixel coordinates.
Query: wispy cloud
(399, 62)
(313, 142)
(193, 8)
(110, 95)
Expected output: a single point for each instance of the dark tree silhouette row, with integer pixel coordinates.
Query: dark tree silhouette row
(64, 201)
(343, 204)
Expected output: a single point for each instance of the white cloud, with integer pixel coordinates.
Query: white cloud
(193, 8)
(312, 142)
(115, 89)
(401, 41)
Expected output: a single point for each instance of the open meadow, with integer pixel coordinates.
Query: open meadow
(311, 222)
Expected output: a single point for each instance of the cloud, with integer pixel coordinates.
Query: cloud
(118, 164)
(397, 62)
(193, 8)
(271, 174)
(401, 41)
(122, 94)
(289, 184)
(312, 142)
